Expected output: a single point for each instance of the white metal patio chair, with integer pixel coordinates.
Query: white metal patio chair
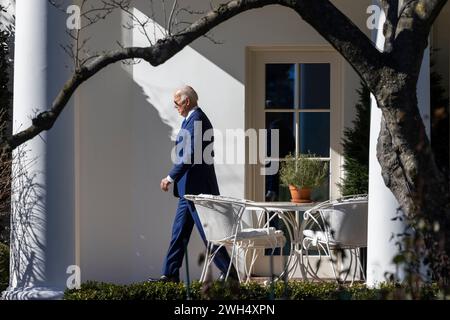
(224, 225)
(334, 226)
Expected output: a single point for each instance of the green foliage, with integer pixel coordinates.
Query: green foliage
(295, 290)
(356, 148)
(5, 131)
(439, 106)
(140, 291)
(4, 266)
(303, 171)
(313, 291)
(5, 94)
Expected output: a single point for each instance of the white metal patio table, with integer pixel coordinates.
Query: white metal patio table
(287, 212)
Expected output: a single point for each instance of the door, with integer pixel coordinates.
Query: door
(296, 90)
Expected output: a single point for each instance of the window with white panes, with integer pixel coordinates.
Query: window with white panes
(298, 103)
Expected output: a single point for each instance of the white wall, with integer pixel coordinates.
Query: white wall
(103, 139)
(126, 128)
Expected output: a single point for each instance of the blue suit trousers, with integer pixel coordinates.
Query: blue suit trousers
(183, 224)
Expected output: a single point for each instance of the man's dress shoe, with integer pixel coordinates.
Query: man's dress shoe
(164, 278)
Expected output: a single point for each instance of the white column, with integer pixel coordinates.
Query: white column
(42, 236)
(382, 230)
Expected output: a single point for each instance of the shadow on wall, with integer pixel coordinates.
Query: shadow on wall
(125, 140)
(126, 146)
(153, 209)
(27, 204)
(286, 27)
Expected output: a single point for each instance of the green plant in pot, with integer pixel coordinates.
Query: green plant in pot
(301, 174)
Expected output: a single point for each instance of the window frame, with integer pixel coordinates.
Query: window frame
(256, 59)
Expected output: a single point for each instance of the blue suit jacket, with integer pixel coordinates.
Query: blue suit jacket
(190, 177)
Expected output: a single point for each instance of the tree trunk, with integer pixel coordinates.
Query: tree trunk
(410, 172)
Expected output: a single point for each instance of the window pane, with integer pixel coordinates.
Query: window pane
(284, 122)
(280, 79)
(315, 133)
(322, 193)
(277, 191)
(314, 86)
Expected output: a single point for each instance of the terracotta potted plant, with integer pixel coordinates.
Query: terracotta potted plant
(302, 174)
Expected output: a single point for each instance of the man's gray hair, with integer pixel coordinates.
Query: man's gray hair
(188, 92)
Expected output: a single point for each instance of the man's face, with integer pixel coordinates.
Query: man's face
(181, 106)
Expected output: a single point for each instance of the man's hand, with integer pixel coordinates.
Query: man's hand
(165, 184)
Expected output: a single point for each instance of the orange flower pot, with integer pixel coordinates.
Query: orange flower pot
(302, 195)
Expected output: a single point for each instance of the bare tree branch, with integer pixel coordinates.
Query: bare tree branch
(210, 38)
(92, 15)
(164, 11)
(190, 11)
(68, 50)
(343, 35)
(407, 162)
(169, 27)
(142, 25)
(416, 19)
(390, 8)
(337, 29)
(428, 10)
(84, 61)
(130, 61)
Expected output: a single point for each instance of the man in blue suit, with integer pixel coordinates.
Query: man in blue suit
(190, 175)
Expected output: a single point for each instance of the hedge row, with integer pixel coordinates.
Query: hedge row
(295, 290)
(4, 266)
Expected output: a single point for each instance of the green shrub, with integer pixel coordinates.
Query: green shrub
(356, 148)
(295, 290)
(301, 290)
(140, 291)
(303, 171)
(4, 266)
